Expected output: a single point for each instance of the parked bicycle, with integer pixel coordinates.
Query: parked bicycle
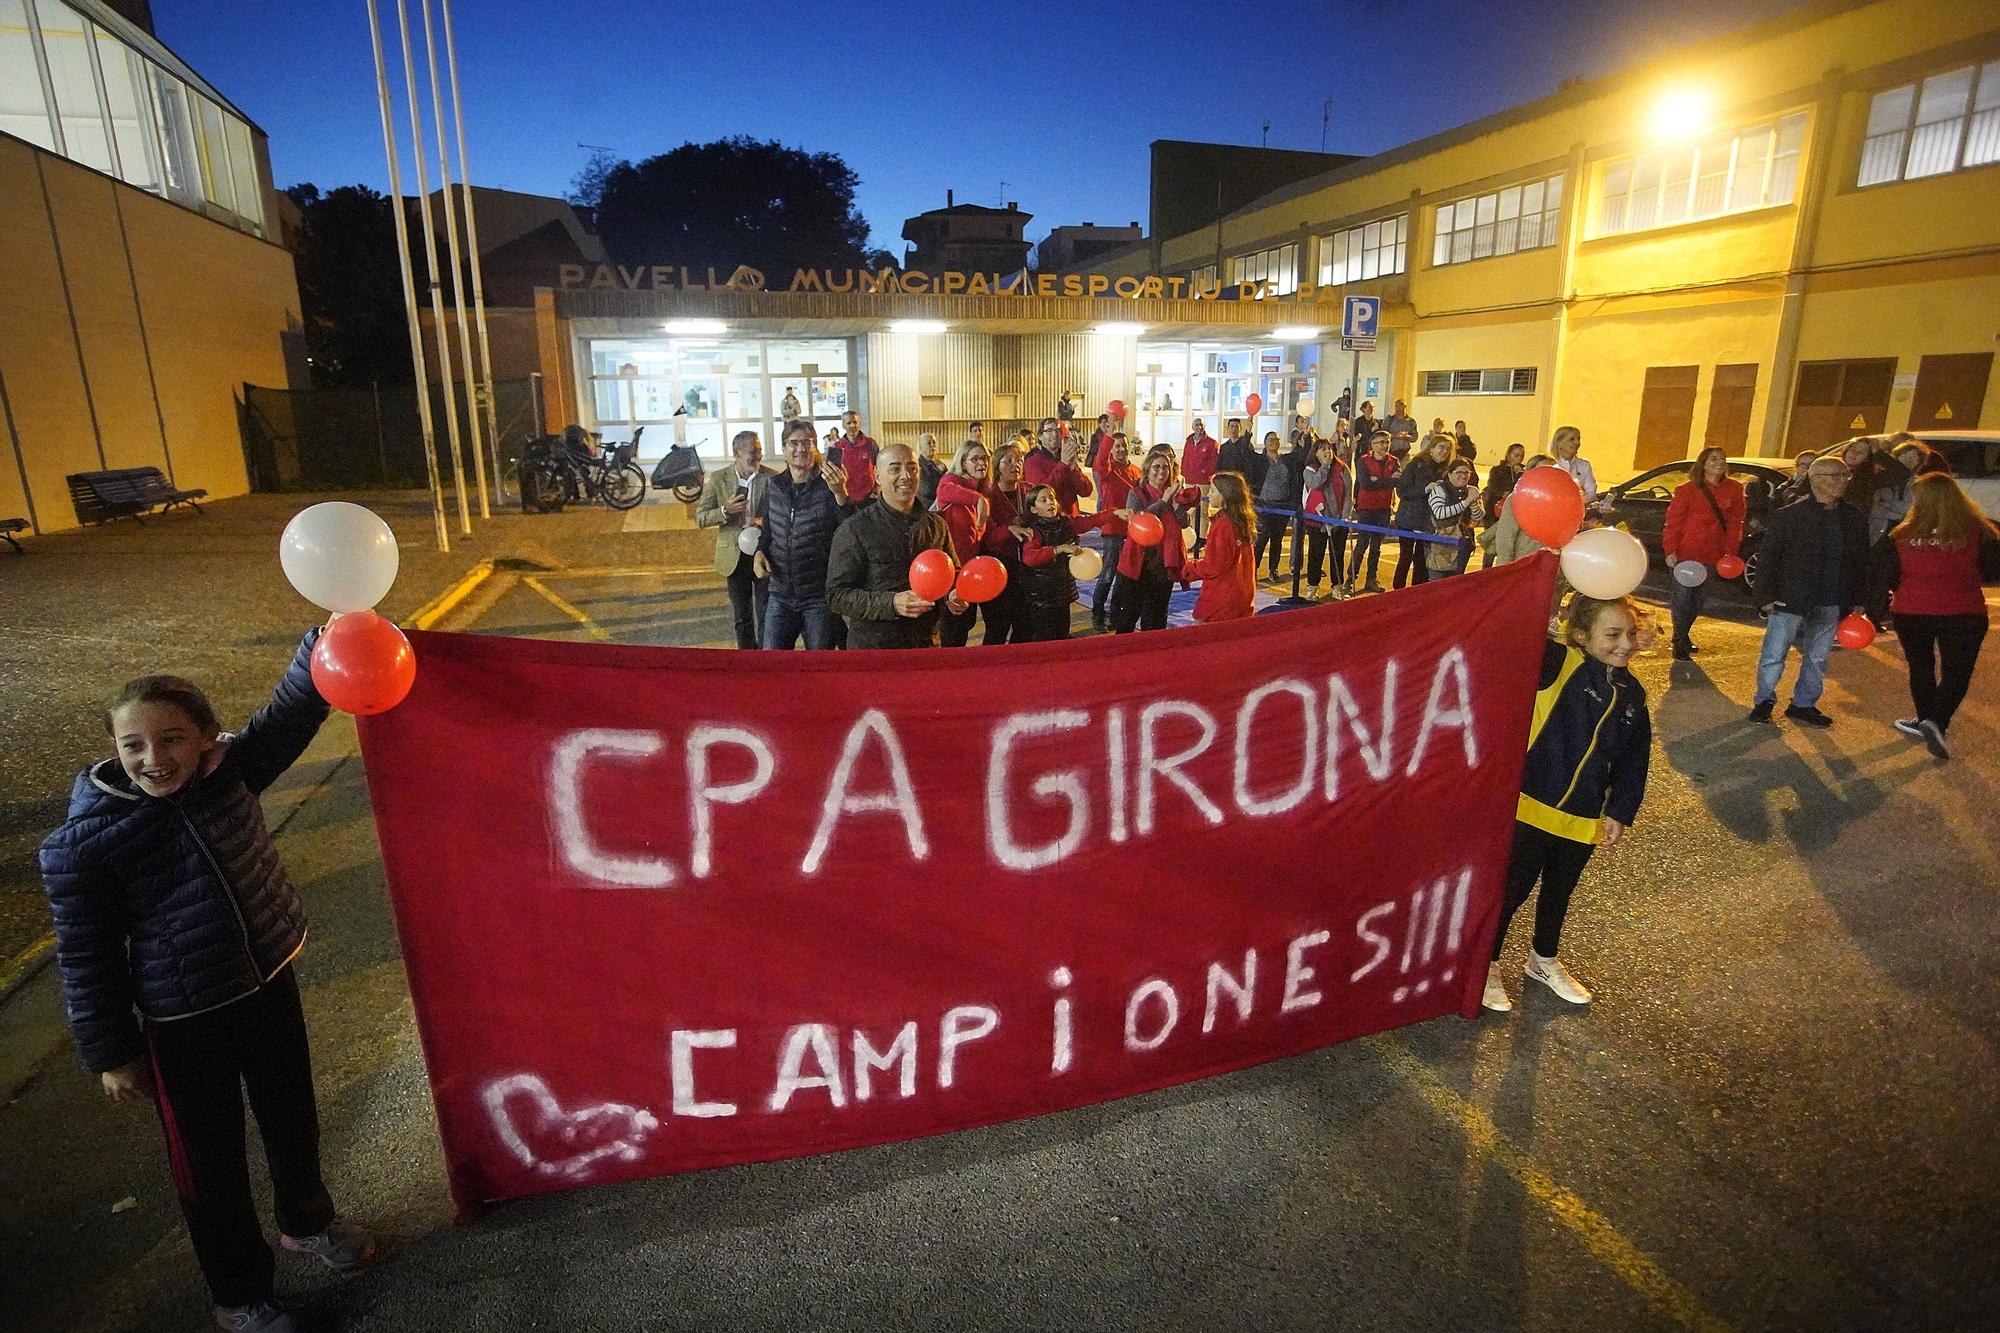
(573, 468)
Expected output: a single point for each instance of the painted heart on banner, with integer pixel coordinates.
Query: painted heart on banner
(547, 1139)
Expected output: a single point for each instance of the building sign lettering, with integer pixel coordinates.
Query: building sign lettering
(915, 282)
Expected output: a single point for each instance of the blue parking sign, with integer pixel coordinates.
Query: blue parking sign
(1359, 316)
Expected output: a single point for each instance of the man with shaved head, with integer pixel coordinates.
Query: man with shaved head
(868, 574)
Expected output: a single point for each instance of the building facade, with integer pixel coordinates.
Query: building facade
(140, 282)
(968, 238)
(1768, 242)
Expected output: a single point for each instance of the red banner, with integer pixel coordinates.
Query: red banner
(674, 908)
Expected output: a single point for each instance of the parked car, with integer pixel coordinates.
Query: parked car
(1974, 456)
(1640, 504)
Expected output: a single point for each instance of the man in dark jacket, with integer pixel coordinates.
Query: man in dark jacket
(801, 509)
(868, 572)
(1815, 553)
(1239, 454)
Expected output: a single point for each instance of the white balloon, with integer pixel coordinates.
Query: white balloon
(746, 540)
(1086, 564)
(1305, 406)
(1690, 573)
(1604, 563)
(340, 556)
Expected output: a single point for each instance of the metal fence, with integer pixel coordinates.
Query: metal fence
(363, 439)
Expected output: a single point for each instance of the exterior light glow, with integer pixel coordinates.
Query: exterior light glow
(694, 326)
(1680, 114)
(1117, 330)
(1296, 333)
(917, 326)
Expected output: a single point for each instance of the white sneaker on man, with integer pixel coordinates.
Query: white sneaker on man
(1910, 727)
(1556, 977)
(1496, 995)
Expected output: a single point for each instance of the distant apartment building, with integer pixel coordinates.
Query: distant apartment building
(968, 238)
(1065, 248)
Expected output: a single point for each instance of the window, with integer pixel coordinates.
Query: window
(1372, 250)
(1278, 266)
(1520, 217)
(1947, 122)
(1756, 167)
(1449, 383)
(1202, 279)
(107, 101)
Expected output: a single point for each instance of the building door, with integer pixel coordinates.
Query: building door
(1837, 400)
(1730, 399)
(1666, 415)
(1949, 391)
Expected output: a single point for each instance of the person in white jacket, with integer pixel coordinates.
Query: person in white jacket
(1567, 445)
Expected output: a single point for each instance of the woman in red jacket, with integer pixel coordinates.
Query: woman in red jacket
(1939, 605)
(1227, 566)
(1704, 523)
(1115, 479)
(1146, 574)
(961, 503)
(1005, 500)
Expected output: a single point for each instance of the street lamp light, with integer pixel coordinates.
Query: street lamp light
(917, 326)
(1680, 114)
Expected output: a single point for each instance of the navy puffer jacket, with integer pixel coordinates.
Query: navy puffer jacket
(799, 520)
(174, 905)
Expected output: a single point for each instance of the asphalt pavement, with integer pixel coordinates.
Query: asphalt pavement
(1778, 1113)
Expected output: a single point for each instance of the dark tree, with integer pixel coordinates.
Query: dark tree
(356, 330)
(586, 188)
(734, 201)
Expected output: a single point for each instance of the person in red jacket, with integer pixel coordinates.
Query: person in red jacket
(854, 453)
(1100, 442)
(1374, 496)
(1326, 496)
(961, 503)
(1939, 605)
(1227, 568)
(1006, 498)
(1054, 462)
(1704, 523)
(1200, 455)
(1146, 574)
(1115, 480)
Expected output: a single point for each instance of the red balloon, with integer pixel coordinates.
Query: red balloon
(931, 575)
(363, 664)
(1856, 631)
(1254, 403)
(1115, 409)
(982, 579)
(1729, 567)
(1146, 529)
(1548, 504)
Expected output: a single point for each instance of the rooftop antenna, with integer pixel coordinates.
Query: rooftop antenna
(1325, 119)
(1267, 133)
(1003, 193)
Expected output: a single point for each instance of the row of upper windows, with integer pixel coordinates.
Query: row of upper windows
(70, 86)
(1946, 122)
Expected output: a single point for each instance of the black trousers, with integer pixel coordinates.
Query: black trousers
(1271, 537)
(1559, 864)
(746, 601)
(1941, 652)
(1141, 603)
(1003, 613)
(1318, 538)
(202, 1067)
(1042, 622)
(1100, 596)
(1367, 550)
(954, 630)
(1411, 567)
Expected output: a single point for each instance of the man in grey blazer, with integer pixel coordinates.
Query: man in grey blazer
(728, 497)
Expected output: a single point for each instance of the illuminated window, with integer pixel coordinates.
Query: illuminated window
(1373, 250)
(1947, 122)
(1458, 383)
(1520, 217)
(1756, 167)
(1202, 279)
(1278, 267)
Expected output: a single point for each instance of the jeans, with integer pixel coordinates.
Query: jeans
(1367, 550)
(203, 1066)
(1941, 651)
(785, 618)
(1100, 597)
(1684, 605)
(747, 596)
(1558, 863)
(1814, 632)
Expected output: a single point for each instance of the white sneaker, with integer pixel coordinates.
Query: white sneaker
(1556, 977)
(1496, 995)
(1909, 727)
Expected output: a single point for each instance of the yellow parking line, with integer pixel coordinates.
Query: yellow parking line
(24, 963)
(568, 608)
(1637, 1269)
(439, 606)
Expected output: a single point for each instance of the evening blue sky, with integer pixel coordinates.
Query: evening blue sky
(1058, 100)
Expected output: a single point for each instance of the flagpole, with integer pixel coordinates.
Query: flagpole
(457, 271)
(472, 244)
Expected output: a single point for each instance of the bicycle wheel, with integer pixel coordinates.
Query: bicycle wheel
(624, 487)
(687, 494)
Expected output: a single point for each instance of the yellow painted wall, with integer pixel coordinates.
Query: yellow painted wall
(1493, 420)
(214, 303)
(1877, 313)
(1938, 214)
(1689, 254)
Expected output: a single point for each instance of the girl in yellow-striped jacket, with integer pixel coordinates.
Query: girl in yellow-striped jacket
(1588, 748)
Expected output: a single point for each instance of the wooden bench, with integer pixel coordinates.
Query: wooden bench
(128, 492)
(10, 526)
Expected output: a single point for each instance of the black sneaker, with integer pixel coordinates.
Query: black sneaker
(1761, 711)
(1683, 653)
(1809, 715)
